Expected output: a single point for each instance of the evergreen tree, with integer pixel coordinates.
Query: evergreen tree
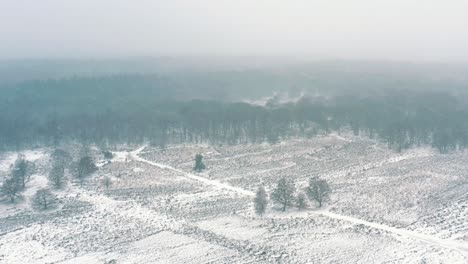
(199, 166)
(318, 190)
(283, 194)
(108, 155)
(85, 167)
(20, 171)
(260, 201)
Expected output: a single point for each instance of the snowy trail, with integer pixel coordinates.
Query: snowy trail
(428, 239)
(449, 244)
(192, 176)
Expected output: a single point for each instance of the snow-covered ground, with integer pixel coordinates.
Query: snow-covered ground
(386, 207)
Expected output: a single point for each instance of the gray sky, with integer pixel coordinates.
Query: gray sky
(414, 30)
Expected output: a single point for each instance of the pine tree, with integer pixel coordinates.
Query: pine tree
(199, 166)
(85, 167)
(20, 171)
(283, 194)
(318, 190)
(260, 201)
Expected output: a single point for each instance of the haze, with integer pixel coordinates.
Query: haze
(405, 30)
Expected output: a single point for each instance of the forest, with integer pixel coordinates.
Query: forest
(120, 109)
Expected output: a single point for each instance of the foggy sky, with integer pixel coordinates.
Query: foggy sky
(408, 30)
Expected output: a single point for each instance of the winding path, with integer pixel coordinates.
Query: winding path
(428, 239)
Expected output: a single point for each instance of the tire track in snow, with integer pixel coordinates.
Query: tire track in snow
(428, 239)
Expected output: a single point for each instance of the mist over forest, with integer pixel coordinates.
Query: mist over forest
(234, 131)
(231, 100)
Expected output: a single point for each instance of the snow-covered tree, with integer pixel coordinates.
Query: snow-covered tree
(20, 171)
(318, 190)
(57, 177)
(283, 194)
(43, 199)
(260, 201)
(85, 167)
(11, 189)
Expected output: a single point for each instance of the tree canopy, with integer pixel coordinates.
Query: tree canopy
(107, 110)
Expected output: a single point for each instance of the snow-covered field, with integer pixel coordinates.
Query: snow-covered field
(386, 207)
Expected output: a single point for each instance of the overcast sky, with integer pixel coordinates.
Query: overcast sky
(409, 30)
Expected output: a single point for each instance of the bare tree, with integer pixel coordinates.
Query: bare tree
(44, 199)
(260, 201)
(11, 189)
(283, 194)
(318, 190)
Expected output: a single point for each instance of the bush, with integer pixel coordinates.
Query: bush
(107, 155)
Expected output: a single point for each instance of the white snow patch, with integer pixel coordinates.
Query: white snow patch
(7, 159)
(215, 183)
(234, 227)
(138, 170)
(163, 247)
(37, 182)
(120, 156)
(445, 243)
(19, 247)
(33, 155)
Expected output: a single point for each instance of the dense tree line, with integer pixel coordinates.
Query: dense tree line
(401, 118)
